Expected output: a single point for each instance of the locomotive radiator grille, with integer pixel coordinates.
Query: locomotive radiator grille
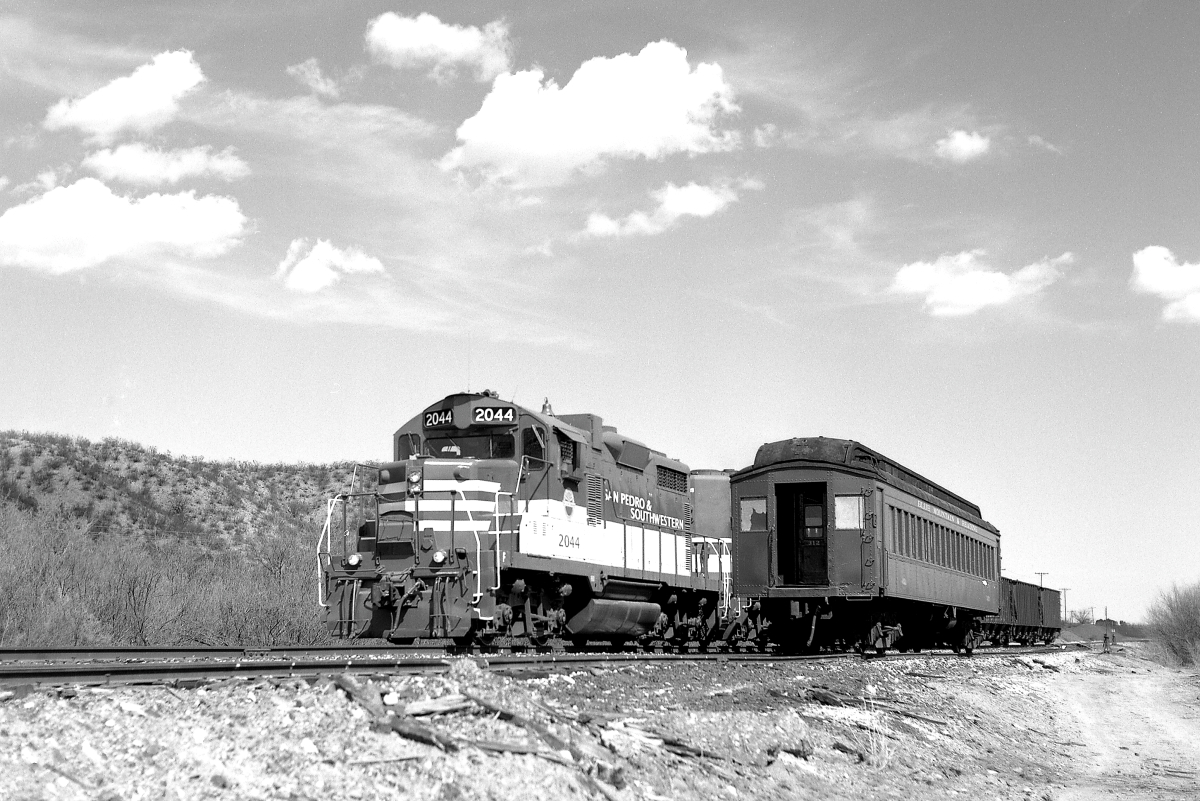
(595, 500)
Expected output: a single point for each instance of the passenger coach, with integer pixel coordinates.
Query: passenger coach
(836, 544)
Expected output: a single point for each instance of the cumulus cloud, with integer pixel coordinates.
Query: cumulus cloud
(143, 101)
(106, 227)
(961, 284)
(311, 268)
(309, 73)
(1156, 271)
(139, 164)
(425, 40)
(3, 182)
(961, 146)
(651, 104)
(674, 202)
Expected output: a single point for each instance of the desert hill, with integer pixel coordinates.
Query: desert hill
(119, 486)
(112, 542)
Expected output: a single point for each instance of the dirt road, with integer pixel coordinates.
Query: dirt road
(1137, 726)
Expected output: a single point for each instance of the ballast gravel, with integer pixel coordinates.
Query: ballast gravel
(919, 727)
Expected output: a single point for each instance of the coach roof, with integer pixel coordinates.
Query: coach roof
(855, 455)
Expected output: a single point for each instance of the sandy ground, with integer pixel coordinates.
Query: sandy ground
(1072, 725)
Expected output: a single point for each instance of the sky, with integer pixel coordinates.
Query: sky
(963, 234)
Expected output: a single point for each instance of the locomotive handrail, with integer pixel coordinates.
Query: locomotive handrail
(478, 553)
(496, 520)
(326, 541)
(322, 566)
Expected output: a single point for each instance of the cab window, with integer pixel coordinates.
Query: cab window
(533, 443)
(495, 446)
(406, 446)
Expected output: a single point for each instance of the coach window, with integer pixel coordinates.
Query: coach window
(754, 514)
(848, 511)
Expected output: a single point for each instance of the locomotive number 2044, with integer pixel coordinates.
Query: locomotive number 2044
(493, 415)
(442, 417)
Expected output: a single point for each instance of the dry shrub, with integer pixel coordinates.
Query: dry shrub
(1174, 622)
(63, 586)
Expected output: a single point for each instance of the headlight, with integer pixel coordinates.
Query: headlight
(439, 558)
(414, 482)
(353, 560)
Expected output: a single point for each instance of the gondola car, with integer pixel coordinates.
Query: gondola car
(837, 545)
(495, 521)
(1028, 615)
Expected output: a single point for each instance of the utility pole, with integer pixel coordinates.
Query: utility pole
(1063, 590)
(1041, 577)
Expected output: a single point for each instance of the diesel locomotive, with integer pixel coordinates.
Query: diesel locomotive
(494, 521)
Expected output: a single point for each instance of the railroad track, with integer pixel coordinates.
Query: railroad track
(47, 668)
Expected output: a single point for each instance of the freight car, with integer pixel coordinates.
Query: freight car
(497, 521)
(839, 545)
(1028, 614)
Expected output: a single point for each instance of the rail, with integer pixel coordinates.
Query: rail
(149, 666)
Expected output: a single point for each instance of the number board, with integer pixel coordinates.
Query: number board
(440, 418)
(493, 415)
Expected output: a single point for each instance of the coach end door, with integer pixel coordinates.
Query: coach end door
(801, 514)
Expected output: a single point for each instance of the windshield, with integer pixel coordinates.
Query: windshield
(489, 446)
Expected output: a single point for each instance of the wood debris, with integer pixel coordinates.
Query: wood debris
(453, 702)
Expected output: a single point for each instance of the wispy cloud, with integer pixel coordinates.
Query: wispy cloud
(1039, 142)
(34, 55)
(138, 164)
(426, 41)
(1157, 271)
(534, 133)
(961, 284)
(826, 103)
(142, 101)
(309, 73)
